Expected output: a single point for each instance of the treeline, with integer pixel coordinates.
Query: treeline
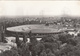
(49, 45)
(15, 21)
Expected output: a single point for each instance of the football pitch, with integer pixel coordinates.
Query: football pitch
(35, 28)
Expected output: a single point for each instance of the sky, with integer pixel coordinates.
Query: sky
(53, 8)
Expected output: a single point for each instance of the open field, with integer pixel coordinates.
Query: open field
(35, 28)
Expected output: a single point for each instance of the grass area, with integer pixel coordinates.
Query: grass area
(35, 28)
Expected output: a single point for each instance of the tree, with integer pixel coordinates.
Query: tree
(64, 37)
(66, 49)
(49, 53)
(10, 53)
(36, 49)
(43, 53)
(50, 42)
(72, 42)
(25, 49)
(51, 46)
(48, 38)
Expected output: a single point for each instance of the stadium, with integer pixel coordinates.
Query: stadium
(36, 30)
